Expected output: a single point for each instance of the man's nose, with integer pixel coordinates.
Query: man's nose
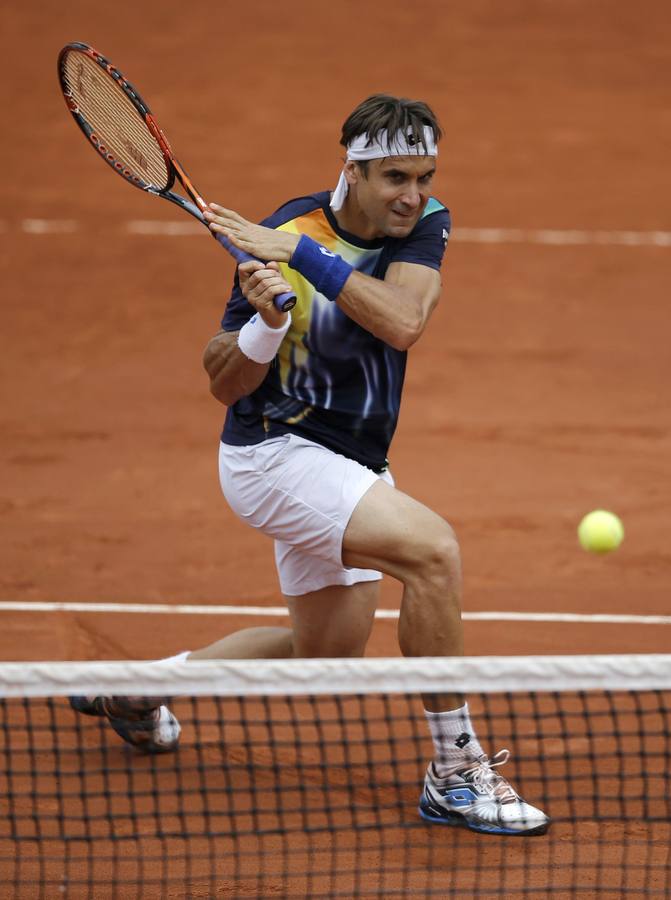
(411, 196)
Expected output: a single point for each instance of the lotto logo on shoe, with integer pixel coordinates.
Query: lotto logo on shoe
(460, 798)
(462, 740)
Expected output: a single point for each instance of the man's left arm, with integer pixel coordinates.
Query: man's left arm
(397, 309)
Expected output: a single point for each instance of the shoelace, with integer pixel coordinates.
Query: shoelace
(485, 778)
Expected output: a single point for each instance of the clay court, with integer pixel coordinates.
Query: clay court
(539, 391)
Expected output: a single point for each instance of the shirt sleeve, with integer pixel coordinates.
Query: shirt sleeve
(426, 244)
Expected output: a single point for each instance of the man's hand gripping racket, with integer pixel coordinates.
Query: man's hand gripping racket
(120, 126)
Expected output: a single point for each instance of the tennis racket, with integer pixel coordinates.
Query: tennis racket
(119, 124)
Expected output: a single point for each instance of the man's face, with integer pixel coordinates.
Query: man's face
(393, 192)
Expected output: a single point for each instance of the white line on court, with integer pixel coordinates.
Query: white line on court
(169, 229)
(553, 237)
(562, 237)
(49, 226)
(272, 611)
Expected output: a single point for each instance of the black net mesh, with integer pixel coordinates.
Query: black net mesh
(316, 796)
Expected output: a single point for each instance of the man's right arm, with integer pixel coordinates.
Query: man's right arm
(233, 374)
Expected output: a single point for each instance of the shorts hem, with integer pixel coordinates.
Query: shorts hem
(346, 578)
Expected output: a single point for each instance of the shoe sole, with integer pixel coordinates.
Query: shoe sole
(459, 821)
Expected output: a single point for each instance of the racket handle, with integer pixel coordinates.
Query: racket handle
(283, 302)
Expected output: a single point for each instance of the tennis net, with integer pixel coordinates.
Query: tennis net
(301, 778)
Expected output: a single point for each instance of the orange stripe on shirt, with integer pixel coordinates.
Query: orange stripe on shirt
(316, 225)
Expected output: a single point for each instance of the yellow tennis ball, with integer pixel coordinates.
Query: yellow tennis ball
(600, 531)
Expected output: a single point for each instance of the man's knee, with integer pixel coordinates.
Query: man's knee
(344, 638)
(330, 649)
(438, 555)
(335, 621)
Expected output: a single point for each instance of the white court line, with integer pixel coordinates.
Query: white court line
(272, 611)
(49, 226)
(562, 237)
(552, 237)
(169, 229)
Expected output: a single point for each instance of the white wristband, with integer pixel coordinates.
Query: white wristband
(258, 341)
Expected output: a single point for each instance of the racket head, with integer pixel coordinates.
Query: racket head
(115, 119)
(120, 126)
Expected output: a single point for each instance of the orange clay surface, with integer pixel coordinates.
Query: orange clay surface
(539, 391)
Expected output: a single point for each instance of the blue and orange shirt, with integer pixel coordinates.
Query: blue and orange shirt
(332, 381)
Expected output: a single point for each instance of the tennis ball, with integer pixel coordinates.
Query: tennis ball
(600, 532)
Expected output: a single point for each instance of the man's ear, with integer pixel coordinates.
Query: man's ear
(352, 172)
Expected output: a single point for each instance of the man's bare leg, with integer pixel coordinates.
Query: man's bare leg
(392, 532)
(250, 643)
(335, 621)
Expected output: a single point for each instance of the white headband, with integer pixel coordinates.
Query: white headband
(401, 144)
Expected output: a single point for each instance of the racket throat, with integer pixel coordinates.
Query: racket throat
(187, 184)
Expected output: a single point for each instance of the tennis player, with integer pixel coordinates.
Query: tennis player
(313, 399)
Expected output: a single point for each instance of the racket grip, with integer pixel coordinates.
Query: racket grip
(283, 302)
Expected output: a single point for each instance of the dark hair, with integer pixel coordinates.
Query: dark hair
(381, 112)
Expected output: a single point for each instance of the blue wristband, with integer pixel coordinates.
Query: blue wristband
(326, 271)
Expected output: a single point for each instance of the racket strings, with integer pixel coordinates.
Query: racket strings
(115, 121)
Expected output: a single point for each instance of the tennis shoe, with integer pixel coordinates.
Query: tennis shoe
(475, 796)
(143, 722)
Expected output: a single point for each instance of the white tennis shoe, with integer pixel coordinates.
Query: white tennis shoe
(477, 797)
(143, 722)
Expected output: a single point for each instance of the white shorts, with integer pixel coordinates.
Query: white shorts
(302, 495)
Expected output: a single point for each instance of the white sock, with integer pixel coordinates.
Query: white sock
(178, 657)
(454, 739)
